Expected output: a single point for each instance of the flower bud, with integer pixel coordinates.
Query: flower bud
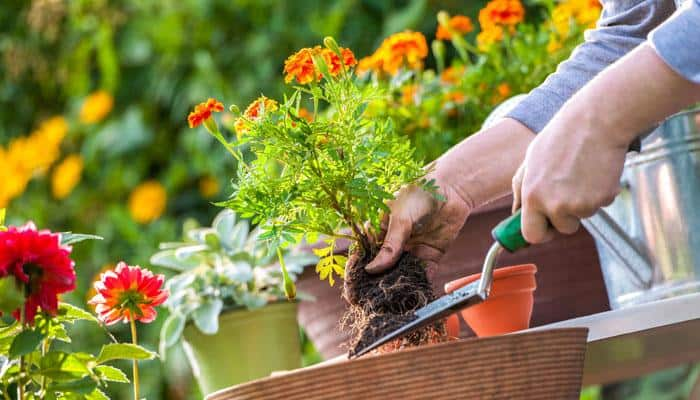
(443, 18)
(439, 53)
(332, 45)
(234, 110)
(320, 63)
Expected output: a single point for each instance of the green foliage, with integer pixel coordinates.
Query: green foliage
(310, 178)
(220, 267)
(30, 357)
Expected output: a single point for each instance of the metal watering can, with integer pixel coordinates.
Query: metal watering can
(646, 239)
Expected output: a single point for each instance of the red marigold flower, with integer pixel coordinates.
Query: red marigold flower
(37, 259)
(128, 292)
(458, 23)
(203, 111)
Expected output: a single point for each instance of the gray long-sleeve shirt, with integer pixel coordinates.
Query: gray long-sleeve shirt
(674, 32)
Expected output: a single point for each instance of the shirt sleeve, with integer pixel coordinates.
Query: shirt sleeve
(677, 41)
(622, 26)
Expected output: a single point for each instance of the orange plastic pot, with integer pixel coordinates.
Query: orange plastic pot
(509, 305)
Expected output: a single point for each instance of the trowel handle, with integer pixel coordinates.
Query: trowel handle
(509, 233)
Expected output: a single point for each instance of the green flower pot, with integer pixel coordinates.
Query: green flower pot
(248, 345)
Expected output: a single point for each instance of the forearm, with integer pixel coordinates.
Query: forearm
(481, 167)
(622, 27)
(630, 96)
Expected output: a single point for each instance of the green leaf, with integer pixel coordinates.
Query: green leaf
(109, 373)
(123, 351)
(81, 386)
(96, 394)
(68, 238)
(70, 313)
(206, 316)
(60, 366)
(25, 343)
(11, 295)
(171, 331)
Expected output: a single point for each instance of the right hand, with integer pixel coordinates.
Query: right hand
(420, 224)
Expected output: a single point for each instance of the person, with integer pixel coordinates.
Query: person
(639, 65)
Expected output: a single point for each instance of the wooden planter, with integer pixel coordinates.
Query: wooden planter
(538, 365)
(569, 280)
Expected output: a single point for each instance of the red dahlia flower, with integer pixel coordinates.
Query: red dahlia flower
(37, 259)
(128, 292)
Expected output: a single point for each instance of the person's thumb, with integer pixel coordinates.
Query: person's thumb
(396, 236)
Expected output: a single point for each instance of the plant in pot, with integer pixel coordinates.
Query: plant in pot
(226, 302)
(330, 174)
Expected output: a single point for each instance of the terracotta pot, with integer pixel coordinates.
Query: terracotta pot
(509, 306)
(570, 283)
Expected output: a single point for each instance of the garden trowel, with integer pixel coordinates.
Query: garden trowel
(508, 236)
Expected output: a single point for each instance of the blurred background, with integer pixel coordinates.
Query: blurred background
(96, 93)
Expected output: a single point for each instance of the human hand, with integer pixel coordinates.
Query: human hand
(569, 172)
(420, 224)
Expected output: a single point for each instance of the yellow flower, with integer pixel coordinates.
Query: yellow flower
(488, 37)
(553, 45)
(147, 202)
(584, 12)
(66, 176)
(208, 187)
(14, 179)
(96, 107)
(53, 130)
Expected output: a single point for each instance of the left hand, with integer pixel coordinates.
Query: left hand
(571, 169)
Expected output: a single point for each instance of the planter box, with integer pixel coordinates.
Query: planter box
(539, 366)
(569, 280)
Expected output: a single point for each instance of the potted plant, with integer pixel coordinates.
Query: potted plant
(438, 108)
(329, 174)
(226, 302)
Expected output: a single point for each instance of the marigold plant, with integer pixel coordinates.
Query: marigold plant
(333, 171)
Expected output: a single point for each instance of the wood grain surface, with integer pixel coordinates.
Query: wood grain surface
(538, 365)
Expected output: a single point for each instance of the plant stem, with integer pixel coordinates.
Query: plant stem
(134, 340)
(20, 381)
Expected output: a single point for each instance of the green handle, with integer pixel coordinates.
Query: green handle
(509, 233)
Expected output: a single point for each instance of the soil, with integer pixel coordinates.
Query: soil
(378, 304)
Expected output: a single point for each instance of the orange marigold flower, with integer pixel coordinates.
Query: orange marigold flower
(334, 63)
(128, 293)
(404, 48)
(254, 112)
(203, 111)
(456, 97)
(452, 75)
(501, 12)
(459, 23)
(502, 92)
(301, 66)
(306, 114)
(370, 63)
